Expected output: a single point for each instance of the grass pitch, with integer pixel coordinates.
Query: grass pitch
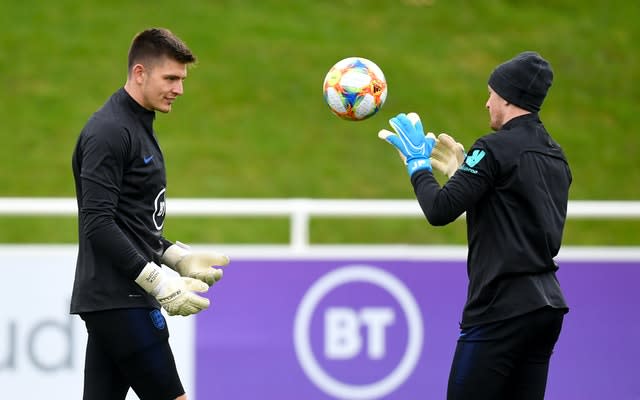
(253, 123)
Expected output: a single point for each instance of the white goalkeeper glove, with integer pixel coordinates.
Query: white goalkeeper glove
(174, 293)
(197, 265)
(448, 155)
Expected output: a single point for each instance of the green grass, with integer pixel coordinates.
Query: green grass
(253, 123)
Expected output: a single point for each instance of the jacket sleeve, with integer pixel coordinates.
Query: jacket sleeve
(103, 162)
(166, 243)
(443, 205)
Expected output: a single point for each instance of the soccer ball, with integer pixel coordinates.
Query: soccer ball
(355, 88)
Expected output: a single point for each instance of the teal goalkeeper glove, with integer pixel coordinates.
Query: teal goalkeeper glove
(409, 139)
(175, 294)
(197, 265)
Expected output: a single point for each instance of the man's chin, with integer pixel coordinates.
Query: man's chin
(165, 109)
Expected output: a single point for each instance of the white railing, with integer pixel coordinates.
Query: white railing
(299, 211)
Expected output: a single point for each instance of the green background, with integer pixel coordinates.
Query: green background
(253, 124)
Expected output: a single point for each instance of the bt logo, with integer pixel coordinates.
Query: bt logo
(358, 333)
(159, 212)
(342, 331)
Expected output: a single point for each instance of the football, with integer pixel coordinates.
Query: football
(355, 88)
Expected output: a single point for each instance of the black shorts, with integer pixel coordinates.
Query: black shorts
(506, 359)
(129, 348)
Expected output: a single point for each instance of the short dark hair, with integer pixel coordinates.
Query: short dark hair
(152, 44)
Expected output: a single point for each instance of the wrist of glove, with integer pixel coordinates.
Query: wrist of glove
(175, 294)
(410, 141)
(196, 265)
(448, 155)
(418, 163)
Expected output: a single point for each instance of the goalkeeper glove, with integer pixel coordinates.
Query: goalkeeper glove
(200, 265)
(448, 155)
(409, 139)
(174, 293)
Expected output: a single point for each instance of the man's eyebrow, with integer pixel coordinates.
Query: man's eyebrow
(174, 76)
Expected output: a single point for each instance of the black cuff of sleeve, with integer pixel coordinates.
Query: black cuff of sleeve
(416, 176)
(165, 244)
(139, 267)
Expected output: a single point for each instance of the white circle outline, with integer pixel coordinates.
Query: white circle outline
(155, 209)
(302, 323)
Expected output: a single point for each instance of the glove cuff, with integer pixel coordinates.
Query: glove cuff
(174, 254)
(151, 278)
(418, 163)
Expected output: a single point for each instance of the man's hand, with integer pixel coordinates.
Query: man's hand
(175, 294)
(409, 139)
(448, 155)
(201, 266)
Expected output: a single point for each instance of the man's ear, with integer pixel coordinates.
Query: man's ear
(137, 73)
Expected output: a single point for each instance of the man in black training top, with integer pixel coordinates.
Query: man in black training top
(119, 283)
(513, 185)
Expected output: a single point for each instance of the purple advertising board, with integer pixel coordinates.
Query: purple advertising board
(373, 329)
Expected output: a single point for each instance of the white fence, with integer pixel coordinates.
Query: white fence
(299, 210)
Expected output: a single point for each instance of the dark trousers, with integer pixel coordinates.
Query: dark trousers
(129, 348)
(507, 359)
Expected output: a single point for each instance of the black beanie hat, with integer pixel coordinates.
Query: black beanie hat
(523, 80)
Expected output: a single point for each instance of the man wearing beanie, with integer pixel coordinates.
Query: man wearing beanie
(513, 185)
(523, 81)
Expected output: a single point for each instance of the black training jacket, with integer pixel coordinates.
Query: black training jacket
(514, 187)
(120, 185)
